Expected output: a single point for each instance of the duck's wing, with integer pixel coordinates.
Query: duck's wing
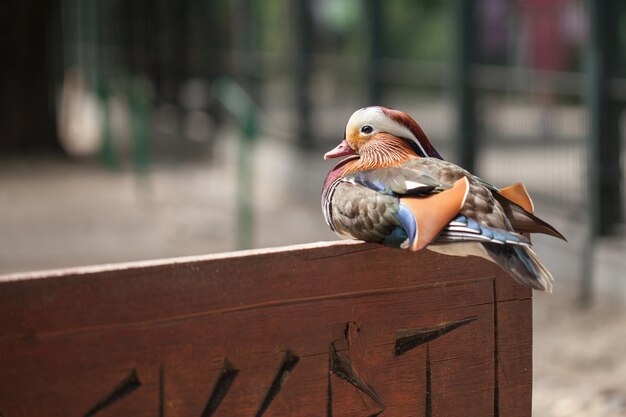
(399, 181)
(432, 213)
(420, 203)
(463, 229)
(519, 209)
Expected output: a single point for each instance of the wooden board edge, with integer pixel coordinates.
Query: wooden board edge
(111, 267)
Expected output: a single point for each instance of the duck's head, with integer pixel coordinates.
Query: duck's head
(380, 135)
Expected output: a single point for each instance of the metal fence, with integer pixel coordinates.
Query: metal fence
(541, 80)
(530, 90)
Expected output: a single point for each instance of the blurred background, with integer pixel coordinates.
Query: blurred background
(147, 129)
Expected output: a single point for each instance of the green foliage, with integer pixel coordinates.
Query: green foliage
(411, 29)
(274, 25)
(418, 29)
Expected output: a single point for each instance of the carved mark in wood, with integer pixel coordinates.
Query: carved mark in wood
(161, 390)
(341, 365)
(329, 387)
(223, 382)
(122, 389)
(290, 360)
(407, 339)
(344, 364)
(428, 400)
(496, 356)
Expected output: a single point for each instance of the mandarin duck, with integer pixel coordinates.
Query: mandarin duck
(394, 188)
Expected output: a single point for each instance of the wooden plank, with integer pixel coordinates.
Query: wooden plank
(514, 324)
(327, 329)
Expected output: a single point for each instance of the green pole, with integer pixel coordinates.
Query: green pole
(140, 94)
(140, 111)
(247, 38)
(466, 132)
(302, 19)
(108, 156)
(240, 105)
(604, 174)
(244, 179)
(374, 32)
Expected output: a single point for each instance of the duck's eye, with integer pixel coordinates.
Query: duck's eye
(367, 129)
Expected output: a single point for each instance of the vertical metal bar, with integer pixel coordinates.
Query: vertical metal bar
(246, 71)
(248, 47)
(171, 34)
(108, 154)
(140, 99)
(373, 11)
(465, 103)
(302, 11)
(79, 33)
(245, 164)
(238, 103)
(90, 45)
(604, 174)
(138, 29)
(603, 146)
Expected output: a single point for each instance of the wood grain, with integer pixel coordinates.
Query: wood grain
(309, 330)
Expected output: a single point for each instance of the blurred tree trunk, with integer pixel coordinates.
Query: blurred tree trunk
(27, 121)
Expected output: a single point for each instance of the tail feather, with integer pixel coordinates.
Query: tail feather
(524, 221)
(523, 265)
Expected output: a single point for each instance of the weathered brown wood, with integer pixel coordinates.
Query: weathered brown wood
(515, 357)
(342, 329)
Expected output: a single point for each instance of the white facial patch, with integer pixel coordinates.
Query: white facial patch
(380, 122)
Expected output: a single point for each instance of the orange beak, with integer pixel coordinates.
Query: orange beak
(341, 150)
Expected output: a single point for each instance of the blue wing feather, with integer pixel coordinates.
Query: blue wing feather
(407, 229)
(463, 228)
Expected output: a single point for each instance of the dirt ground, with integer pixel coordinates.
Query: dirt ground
(61, 213)
(579, 358)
